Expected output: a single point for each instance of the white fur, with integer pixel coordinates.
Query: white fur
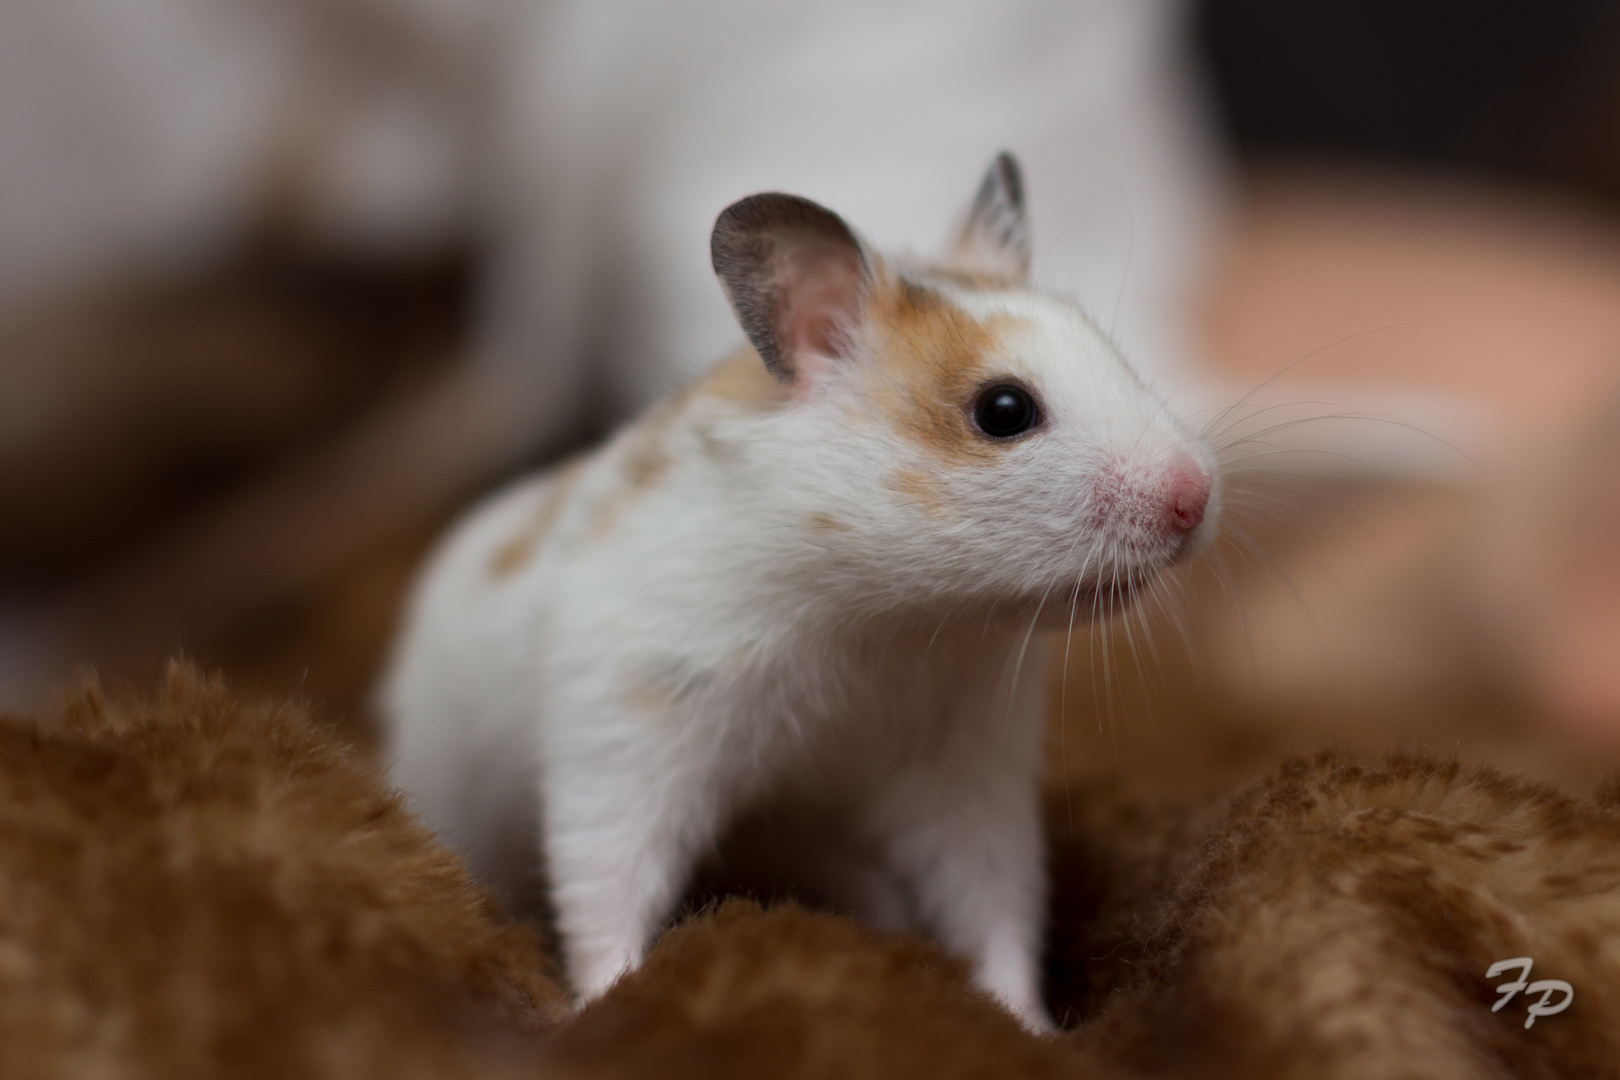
(715, 650)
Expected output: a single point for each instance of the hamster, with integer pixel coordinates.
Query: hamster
(818, 576)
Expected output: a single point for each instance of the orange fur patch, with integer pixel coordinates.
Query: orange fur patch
(979, 280)
(645, 465)
(513, 555)
(196, 886)
(820, 522)
(921, 489)
(742, 378)
(933, 357)
(645, 695)
(644, 460)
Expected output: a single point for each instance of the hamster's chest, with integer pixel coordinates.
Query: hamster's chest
(870, 704)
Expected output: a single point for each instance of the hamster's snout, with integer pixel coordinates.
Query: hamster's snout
(1155, 508)
(1186, 494)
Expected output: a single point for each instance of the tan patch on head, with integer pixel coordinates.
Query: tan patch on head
(513, 555)
(740, 381)
(820, 522)
(932, 359)
(921, 489)
(743, 378)
(981, 280)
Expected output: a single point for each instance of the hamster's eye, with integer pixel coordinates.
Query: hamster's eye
(1004, 411)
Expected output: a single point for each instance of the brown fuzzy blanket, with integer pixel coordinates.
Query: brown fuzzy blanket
(192, 886)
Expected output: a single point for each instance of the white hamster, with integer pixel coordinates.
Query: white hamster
(814, 574)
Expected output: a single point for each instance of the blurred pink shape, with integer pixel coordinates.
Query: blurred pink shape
(1506, 586)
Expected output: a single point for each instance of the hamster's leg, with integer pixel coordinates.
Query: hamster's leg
(621, 833)
(965, 832)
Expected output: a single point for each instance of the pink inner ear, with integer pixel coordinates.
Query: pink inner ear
(818, 301)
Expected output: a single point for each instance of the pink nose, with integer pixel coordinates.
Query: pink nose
(1186, 493)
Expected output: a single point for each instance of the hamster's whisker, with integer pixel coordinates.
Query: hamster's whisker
(1146, 624)
(1125, 612)
(1242, 438)
(1130, 615)
(950, 612)
(1286, 368)
(1093, 633)
(1018, 668)
(1052, 247)
(1109, 653)
(1125, 274)
(1063, 699)
(1255, 411)
(1265, 558)
(1217, 565)
(1068, 648)
(1378, 418)
(1252, 505)
(1175, 609)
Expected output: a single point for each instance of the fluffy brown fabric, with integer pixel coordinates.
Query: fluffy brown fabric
(1331, 921)
(192, 887)
(162, 393)
(1337, 921)
(787, 993)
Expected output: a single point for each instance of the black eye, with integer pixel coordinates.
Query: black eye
(1005, 411)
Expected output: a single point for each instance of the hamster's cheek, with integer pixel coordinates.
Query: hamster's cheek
(923, 489)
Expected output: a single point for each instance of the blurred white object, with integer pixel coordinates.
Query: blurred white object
(586, 148)
(625, 127)
(136, 133)
(592, 144)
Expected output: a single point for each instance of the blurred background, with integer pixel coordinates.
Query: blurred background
(286, 283)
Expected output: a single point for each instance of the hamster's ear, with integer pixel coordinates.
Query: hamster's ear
(994, 240)
(796, 277)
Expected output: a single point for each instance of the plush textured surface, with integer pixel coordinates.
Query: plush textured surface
(1337, 920)
(742, 992)
(1333, 920)
(192, 886)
